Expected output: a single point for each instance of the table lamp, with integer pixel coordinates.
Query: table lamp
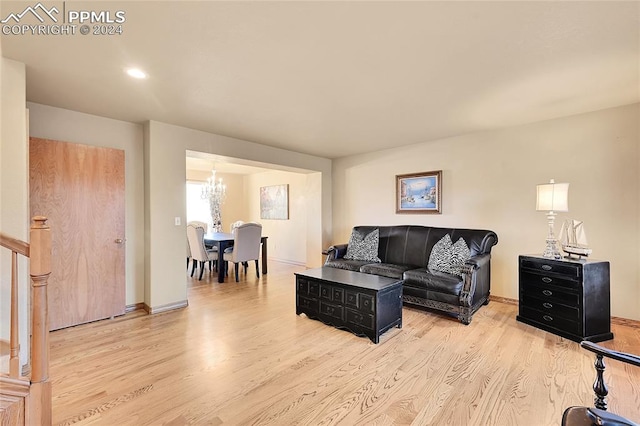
(552, 197)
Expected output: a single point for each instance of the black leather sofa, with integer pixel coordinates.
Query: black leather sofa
(404, 252)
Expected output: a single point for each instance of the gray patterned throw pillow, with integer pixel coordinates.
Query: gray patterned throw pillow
(460, 253)
(448, 257)
(439, 257)
(363, 247)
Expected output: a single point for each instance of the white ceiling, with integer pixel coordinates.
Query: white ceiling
(203, 162)
(340, 78)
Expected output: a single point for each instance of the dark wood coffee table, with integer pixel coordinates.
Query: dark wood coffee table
(367, 305)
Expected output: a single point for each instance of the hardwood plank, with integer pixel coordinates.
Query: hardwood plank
(238, 354)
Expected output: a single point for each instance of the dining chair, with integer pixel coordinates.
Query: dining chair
(235, 224)
(246, 246)
(199, 223)
(598, 415)
(199, 253)
(188, 253)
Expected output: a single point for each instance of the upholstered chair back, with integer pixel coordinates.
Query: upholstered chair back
(235, 224)
(246, 242)
(197, 223)
(195, 236)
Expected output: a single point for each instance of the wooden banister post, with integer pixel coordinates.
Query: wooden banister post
(14, 344)
(40, 269)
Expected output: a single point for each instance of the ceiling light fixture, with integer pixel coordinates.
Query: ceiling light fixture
(136, 73)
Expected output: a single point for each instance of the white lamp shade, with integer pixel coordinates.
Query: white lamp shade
(553, 197)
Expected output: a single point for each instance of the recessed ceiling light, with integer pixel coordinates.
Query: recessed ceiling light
(136, 73)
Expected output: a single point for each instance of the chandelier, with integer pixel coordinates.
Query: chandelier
(214, 191)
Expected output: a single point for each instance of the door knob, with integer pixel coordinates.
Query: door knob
(119, 241)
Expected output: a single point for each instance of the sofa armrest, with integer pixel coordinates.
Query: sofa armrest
(475, 273)
(479, 261)
(336, 251)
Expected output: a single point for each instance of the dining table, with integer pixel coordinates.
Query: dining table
(223, 240)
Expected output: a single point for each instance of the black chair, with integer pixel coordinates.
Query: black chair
(579, 416)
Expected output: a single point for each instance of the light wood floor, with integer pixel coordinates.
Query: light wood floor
(239, 355)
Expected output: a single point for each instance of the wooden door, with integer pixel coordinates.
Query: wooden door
(80, 189)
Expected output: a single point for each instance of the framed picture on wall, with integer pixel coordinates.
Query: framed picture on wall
(274, 202)
(419, 192)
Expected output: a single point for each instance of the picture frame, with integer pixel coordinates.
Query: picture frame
(274, 202)
(419, 193)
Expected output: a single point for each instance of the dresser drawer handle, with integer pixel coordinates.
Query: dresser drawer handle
(547, 305)
(547, 318)
(546, 267)
(546, 280)
(547, 292)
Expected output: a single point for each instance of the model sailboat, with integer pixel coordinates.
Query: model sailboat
(574, 238)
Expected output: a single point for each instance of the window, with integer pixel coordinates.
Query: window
(197, 208)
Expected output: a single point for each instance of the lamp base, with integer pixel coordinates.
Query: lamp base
(551, 250)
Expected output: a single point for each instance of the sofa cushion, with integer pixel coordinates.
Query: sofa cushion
(434, 280)
(363, 247)
(350, 265)
(386, 269)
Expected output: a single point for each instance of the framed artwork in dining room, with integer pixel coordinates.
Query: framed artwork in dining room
(419, 192)
(274, 202)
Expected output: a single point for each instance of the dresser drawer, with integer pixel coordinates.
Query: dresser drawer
(551, 307)
(550, 294)
(358, 318)
(542, 265)
(554, 321)
(548, 279)
(331, 310)
(307, 303)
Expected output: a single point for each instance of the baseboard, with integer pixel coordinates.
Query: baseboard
(164, 308)
(504, 300)
(288, 262)
(614, 320)
(626, 322)
(134, 307)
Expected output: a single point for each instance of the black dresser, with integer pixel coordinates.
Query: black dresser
(567, 297)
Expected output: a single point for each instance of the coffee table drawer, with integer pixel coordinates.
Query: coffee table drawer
(334, 311)
(357, 318)
(351, 299)
(367, 303)
(308, 303)
(309, 287)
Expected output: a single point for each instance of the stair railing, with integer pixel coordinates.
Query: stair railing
(39, 253)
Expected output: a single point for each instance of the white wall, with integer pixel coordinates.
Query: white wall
(489, 181)
(165, 170)
(71, 126)
(14, 196)
(287, 238)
